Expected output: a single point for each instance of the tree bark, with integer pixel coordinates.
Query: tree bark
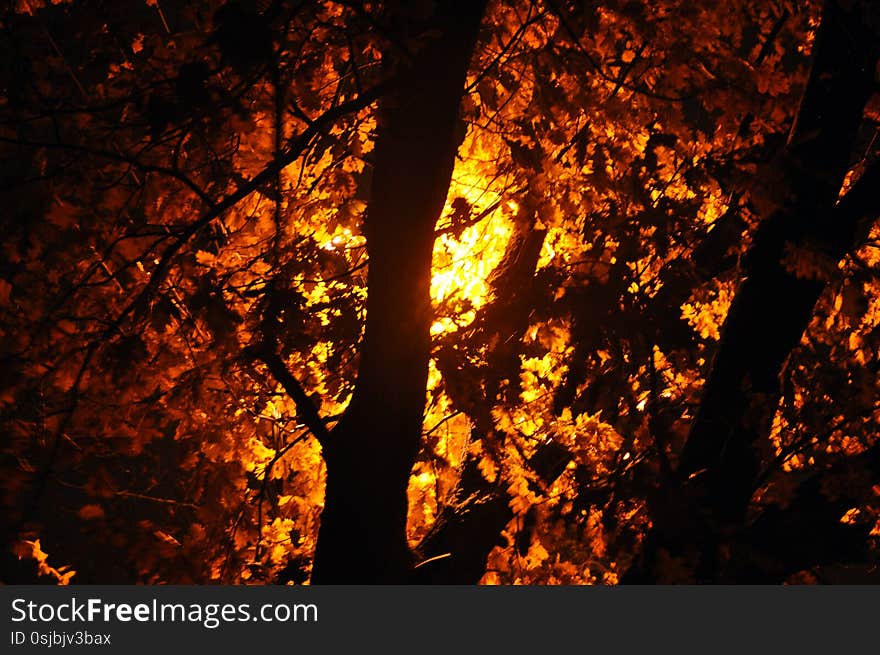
(371, 452)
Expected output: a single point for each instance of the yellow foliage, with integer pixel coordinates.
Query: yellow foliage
(708, 310)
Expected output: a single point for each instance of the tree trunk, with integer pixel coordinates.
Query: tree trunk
(773, 306)
(371, 452)
(456, 548)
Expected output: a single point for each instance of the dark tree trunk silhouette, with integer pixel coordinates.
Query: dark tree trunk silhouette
(773, 306)
(371, 452)
(455, 549)
(719, 464)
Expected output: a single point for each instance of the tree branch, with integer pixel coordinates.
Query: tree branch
(305, 408)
